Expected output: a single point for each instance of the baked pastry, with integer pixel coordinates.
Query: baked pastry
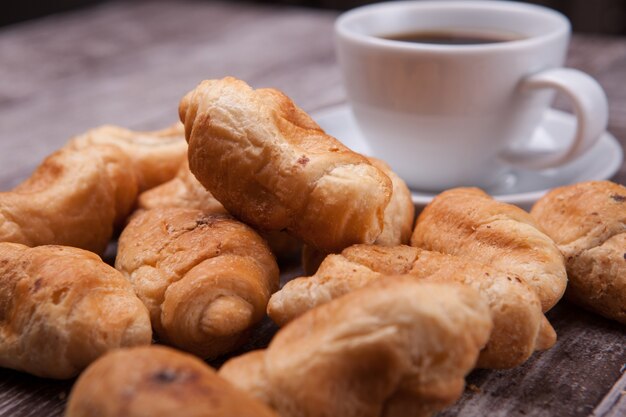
(79, 194)
(398, 220)
(154, 156)
(157, 381)
(519, 328)
(468, 222)
(274, 168)
(588, 223)
(397, 347)
(185, 191)
(205, 278)
(74, 198)
(61, 308)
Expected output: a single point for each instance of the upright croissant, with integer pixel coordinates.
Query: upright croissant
(519, 329)
(467, 222)
(205, 278)
(588, 223)
(61, 308)
(80, 193)
(273, 167)
(157, 381)
(397, 347)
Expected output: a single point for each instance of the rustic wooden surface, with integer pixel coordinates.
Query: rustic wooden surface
(129, 64)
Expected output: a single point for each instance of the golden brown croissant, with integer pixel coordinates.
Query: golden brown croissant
(157, 381)
(397, 347)
(273, 167)
(398, 220)
(154, 156)
(205, 278)
(61, 308)
(588, 223)
(467, 222)
(74, 198)
(185, 191)
(519, 329)
(80, 193)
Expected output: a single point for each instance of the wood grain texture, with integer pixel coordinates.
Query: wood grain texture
(129, 64)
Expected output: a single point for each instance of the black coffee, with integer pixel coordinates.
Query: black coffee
(444, 37)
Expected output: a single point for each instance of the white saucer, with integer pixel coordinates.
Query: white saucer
(522, 188)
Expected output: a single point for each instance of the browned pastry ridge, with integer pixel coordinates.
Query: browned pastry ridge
(588, 223)
(205, 278)
(155, 156)
(467, 222)
(398, 219)
(274, 168)
(61, 308)
(157, 381)
(519, 328)
(80, 193)
(185, 191)
(397, 347)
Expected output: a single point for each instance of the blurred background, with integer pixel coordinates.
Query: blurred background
(588, 16)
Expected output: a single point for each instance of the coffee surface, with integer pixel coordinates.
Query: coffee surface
(452, 37)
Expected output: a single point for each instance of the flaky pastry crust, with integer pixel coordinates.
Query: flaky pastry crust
(274, 168)
(61, 308)
(397, 347)
(467, 222)
(79, 194)
(205, 278)
(588, 223)
(157, 381)
(520, 328)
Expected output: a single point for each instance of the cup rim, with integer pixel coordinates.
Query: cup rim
(342, 30)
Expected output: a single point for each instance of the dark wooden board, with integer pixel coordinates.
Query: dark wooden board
(129, 64)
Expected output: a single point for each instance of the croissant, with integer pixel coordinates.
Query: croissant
(274, 168)
(61, 308)
(467, 222)
(74, 198)
(185, 191)
(157, 381)
(155, 157)
(397, 347)
(588, 223)
(205, 278)
(398, 219)
(79, 194)
(519, 328)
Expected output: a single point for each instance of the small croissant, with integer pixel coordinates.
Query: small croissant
(519, 329)
(398, 347)
(205, 278)
(467, 222)
(81, 193)
(588, 223)
(61, 308)
(157, 381)
(274, 168)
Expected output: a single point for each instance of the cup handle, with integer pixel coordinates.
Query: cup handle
(590, 107)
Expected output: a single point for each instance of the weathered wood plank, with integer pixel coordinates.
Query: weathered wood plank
(129, 64)
(614, 403)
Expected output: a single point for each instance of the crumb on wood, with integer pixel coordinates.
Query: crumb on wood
(474, 388)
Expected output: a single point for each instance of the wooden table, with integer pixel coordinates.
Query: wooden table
(129, 64)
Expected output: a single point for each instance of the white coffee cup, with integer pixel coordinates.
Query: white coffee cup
(453, 115)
